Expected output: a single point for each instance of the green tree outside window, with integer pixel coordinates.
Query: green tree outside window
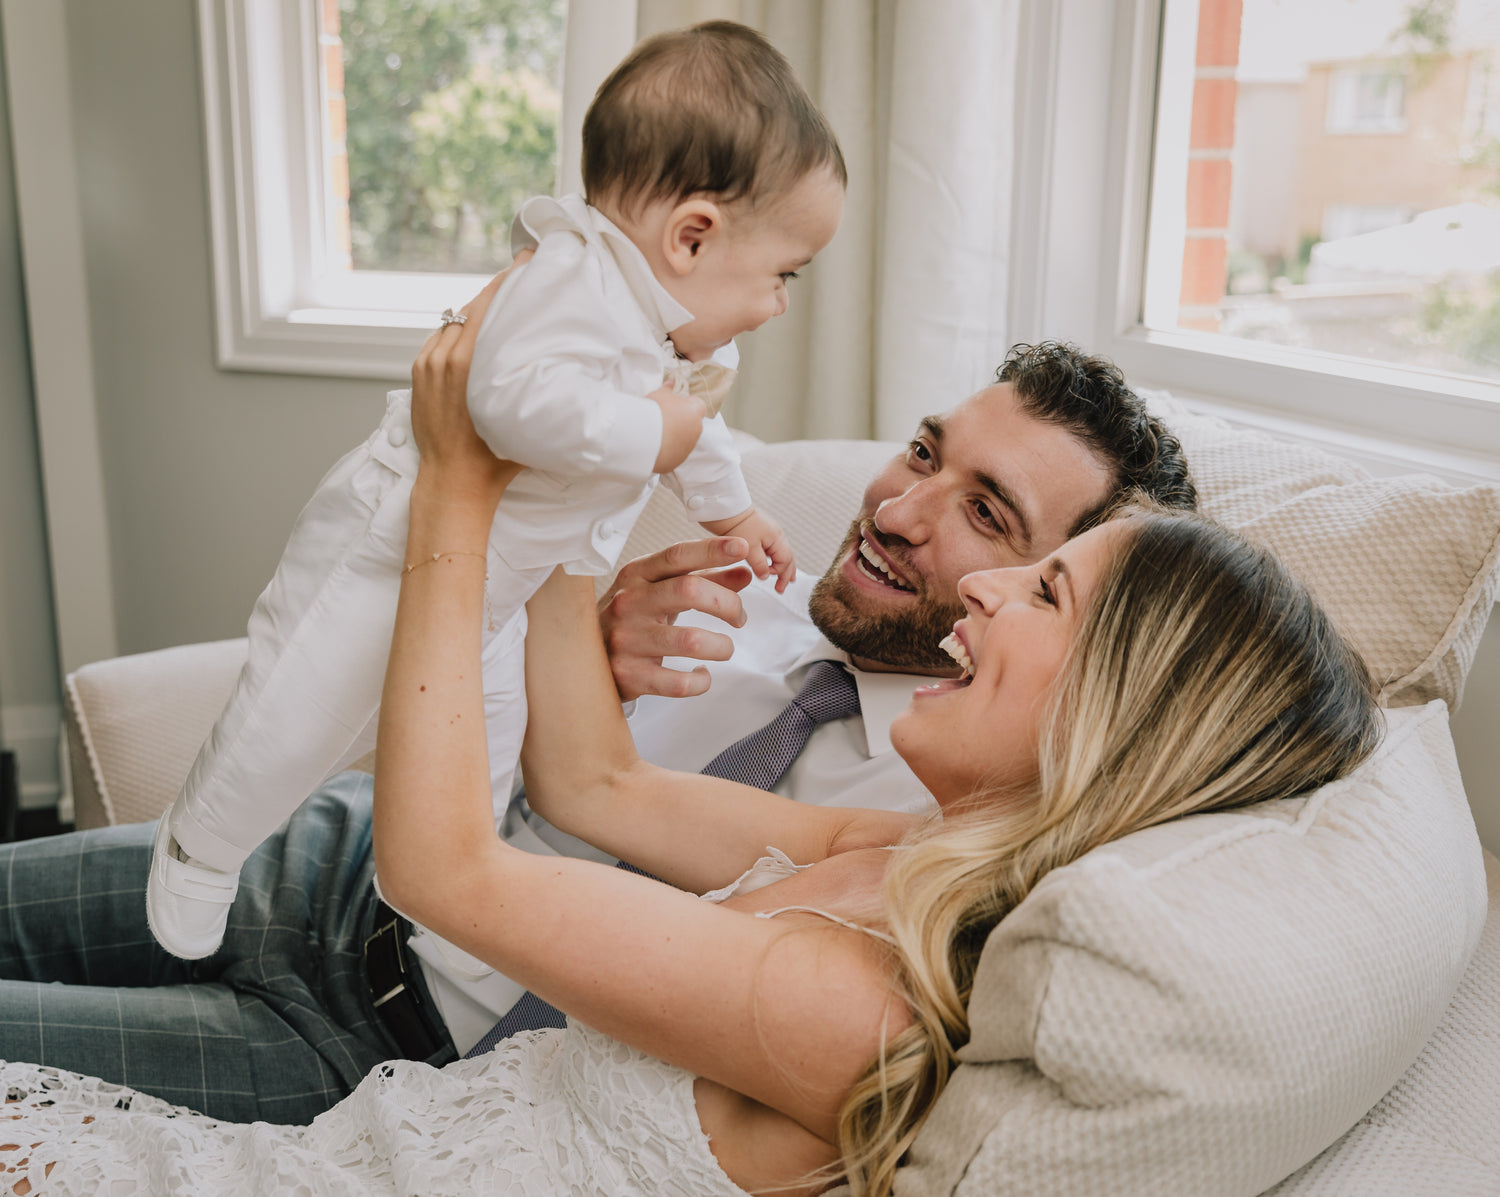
(452, 121)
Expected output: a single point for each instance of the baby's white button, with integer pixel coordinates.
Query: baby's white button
(696, 503)
(397, 436)
(606, 531)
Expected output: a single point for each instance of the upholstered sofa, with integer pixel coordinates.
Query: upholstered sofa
(1302, 998)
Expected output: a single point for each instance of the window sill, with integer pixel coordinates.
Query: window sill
(344, 343)
(1437, 422)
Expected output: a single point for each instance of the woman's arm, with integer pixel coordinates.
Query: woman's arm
(784, 1014)
(584, 776)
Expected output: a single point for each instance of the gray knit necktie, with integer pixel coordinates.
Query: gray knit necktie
(763, 756)
(758, 760)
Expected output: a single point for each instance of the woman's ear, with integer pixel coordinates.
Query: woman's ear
(691, 227)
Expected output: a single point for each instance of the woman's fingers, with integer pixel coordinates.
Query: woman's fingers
(451, 346)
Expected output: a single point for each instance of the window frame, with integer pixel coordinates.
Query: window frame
(1085, 278)
(277, 306)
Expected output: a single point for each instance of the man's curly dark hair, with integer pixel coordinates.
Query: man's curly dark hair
(1087, 395)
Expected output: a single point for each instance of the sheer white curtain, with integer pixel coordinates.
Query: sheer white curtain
(905, 312)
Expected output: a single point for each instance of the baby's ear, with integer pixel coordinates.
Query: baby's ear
(692, 226)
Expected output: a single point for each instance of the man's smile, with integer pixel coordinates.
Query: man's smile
(871, 562)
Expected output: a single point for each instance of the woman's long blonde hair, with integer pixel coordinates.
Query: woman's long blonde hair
(1202, 677)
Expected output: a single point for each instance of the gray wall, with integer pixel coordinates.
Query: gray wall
(28, 650)
(204, 470)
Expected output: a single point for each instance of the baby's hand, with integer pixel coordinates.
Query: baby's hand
(770, 551)
(681, 426)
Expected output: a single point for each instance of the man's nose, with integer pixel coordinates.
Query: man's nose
(910, 514)
(783, 301)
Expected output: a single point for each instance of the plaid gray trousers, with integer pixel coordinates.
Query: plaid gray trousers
(277, 1025)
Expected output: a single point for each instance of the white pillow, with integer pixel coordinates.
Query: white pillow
(812, 488)
(1404, 566)
(1437, 1133)
(1202, 1007)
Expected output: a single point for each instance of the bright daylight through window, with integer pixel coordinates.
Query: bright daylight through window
(441, 116)
(1327, 177)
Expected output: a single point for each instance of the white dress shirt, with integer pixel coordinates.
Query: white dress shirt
(847, 762)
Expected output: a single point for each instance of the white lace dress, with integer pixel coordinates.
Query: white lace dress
(550, 1113)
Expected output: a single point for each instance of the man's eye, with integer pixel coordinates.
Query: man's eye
(986, 516)
(919, 452)
(788, 275)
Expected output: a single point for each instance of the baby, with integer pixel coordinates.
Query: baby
(711, 180)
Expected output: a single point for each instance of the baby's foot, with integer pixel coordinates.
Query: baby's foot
(187, 901)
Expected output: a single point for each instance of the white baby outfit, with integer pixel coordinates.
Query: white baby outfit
(547, 1113)
(571, 345)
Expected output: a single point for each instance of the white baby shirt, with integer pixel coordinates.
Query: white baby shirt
(570, 347)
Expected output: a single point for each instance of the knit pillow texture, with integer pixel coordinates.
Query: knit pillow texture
(1405, 566)
(1202, 1007)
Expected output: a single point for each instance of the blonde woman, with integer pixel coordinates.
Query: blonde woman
(793, 1030)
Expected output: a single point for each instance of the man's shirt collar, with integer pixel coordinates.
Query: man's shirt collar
(882, 696)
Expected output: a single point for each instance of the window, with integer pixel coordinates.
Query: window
(1365, 99)
(440, 118)
(1200, 225)
(365, 158)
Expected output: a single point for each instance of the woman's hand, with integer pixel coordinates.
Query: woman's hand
(456, 463)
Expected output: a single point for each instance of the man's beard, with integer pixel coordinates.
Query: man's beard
(905, 638)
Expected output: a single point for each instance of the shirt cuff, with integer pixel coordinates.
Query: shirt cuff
(727, 497)
(635, 438)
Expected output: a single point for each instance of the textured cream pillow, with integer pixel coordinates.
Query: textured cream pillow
(1404, 566)
(1202, 1007)
(1437, 1133)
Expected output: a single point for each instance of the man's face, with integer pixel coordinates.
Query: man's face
(984, 486)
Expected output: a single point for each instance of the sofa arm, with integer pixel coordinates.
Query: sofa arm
(135, 724)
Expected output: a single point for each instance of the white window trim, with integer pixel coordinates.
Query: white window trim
(275, 308)
(1090, 67)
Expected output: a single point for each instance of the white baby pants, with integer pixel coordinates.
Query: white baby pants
(306, 701)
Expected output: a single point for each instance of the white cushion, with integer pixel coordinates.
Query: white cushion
(812, 488)
(135, 724)
(1202, 1007)
(1404, 566)
(1437, 1133)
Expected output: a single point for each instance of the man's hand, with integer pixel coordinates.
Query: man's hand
(638, 615)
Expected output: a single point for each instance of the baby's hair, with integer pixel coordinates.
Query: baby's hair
(713, 108)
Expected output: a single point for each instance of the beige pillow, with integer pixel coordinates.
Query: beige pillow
(1202, 1007)
(1437, 1133)
(1404, 566)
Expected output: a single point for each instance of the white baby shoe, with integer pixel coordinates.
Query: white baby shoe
(187, 902)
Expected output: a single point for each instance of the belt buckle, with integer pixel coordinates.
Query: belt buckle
(390, 931)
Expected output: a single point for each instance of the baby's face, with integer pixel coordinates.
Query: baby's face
(741, 282)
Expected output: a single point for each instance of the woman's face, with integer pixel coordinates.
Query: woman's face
(980, 731)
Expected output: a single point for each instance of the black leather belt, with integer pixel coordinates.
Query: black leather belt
(392, 977)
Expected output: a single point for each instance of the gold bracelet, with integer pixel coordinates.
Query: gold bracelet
(429, 560)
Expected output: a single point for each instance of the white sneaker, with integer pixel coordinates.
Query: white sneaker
(187, 902)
